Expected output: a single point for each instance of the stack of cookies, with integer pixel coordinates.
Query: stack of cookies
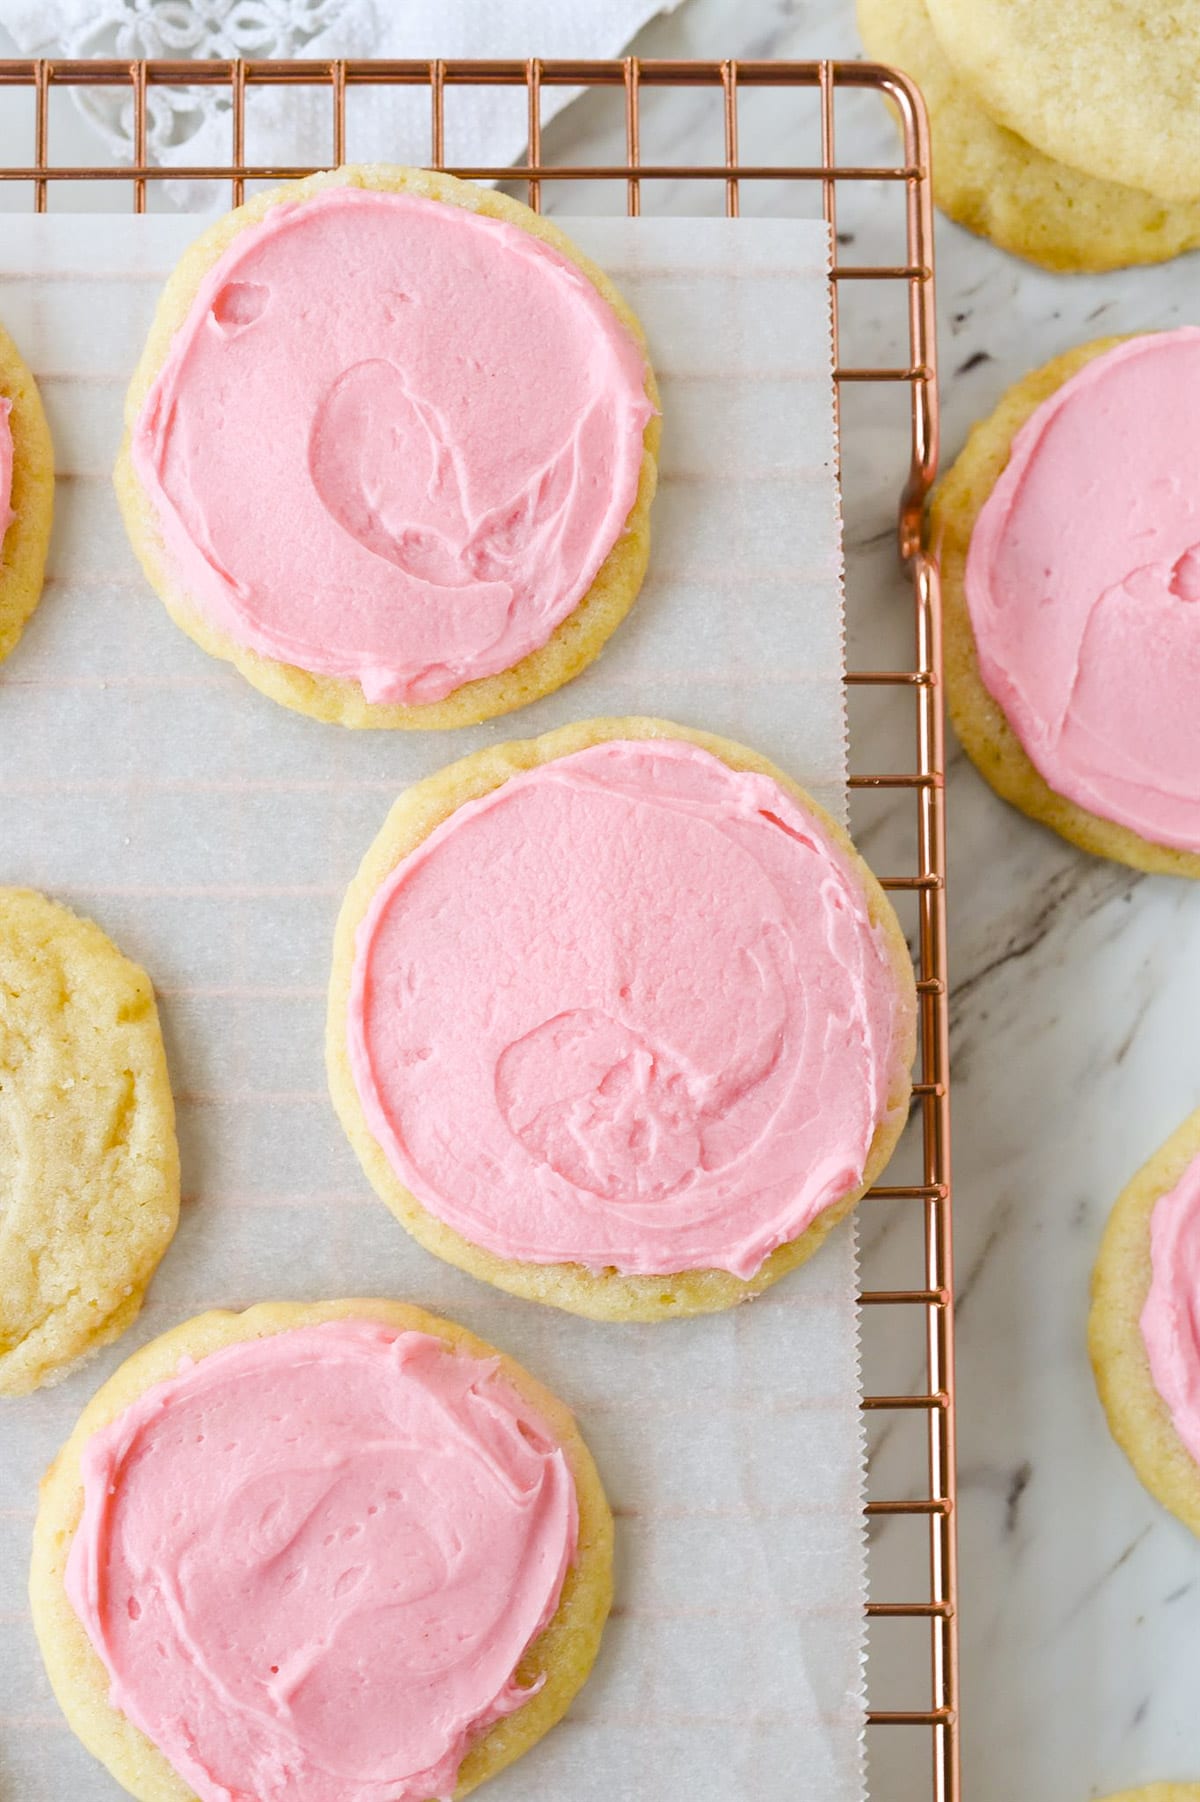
(1090, 174)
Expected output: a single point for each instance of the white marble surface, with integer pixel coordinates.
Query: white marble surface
(1077, 985)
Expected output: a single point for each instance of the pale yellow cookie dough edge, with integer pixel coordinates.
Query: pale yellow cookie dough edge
(27, 540)
(114, 1217)
(1159, 1792)
(563, 1653)
(980, 722)
(991, 181)
(605, 1295)
(1138, 1417)
(575, 642)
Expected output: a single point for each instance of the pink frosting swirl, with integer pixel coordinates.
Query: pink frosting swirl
(393, 440)
(1170, 1319)
(630, 1010)
(1083, 578)
(311, 1563)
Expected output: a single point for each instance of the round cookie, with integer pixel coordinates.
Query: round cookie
(576, 639)
(27, 536)
(994, 183)
(1138, 1416)
(1107, 86)
(601, 1293)
(562, 1654)
(87, 1140)
(980, 722)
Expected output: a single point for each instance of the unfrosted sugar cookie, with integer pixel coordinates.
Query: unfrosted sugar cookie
(89, 1166)
(1144, 1331)
(619, 1020)
(391, 449)
(990, 180)
(26, 494)
(1108, 86)
(337, 1550)
(1070, 536)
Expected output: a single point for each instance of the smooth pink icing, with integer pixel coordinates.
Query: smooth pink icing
(626, 1010)
(6, 468)
(394, 441)
(1171, 1314)
(1082, 581)
(311, 1563)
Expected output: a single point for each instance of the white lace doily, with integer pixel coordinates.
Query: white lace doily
(292, 125)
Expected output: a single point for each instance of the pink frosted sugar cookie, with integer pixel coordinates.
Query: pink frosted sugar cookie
(1070, 538)
(619, 1020)
(338, 1550)
(1144, 1330)
(391, 449)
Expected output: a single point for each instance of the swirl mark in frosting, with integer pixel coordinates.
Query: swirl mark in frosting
(394, 440)
(587, 1096)
(1081, 580)
(384, 468)
(312, 1563)
(238, 305)
(628, 1010)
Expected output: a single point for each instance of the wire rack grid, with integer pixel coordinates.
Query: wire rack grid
(908, 285)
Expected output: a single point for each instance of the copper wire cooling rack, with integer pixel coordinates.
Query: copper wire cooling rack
(904, 290)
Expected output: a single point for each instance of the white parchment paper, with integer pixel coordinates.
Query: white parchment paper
(212, 834)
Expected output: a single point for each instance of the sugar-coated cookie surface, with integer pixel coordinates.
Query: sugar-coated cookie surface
(363, 1719)
(26, 493)
(987, 178)
(428, 499)
(983, 725)
(1140, 1419)
(1108, 86)
(87, 1140)
(618, 1019)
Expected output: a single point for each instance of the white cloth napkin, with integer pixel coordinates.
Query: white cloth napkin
(288, 125)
